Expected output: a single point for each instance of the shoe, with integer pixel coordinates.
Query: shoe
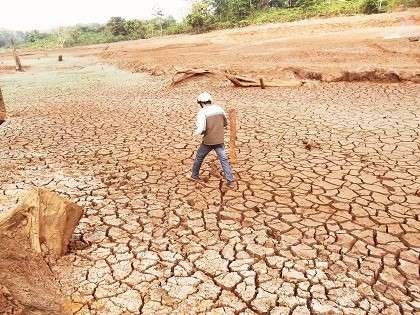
(192, 178)
(231, 185)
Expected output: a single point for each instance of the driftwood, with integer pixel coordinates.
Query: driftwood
(242, 81)
(2, 109)
(187, 73)
(46, 218)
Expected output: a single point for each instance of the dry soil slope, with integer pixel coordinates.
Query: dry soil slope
(374, 47)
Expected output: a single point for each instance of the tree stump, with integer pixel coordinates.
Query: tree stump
(46, 218)
(60, 57)
(2, 109)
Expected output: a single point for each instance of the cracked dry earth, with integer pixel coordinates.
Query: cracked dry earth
(324, 220)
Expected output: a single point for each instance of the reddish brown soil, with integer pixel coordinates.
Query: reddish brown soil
(27, 284)
(359, 48)
(375, 47)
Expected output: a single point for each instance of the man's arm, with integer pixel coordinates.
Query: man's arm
(201, 123)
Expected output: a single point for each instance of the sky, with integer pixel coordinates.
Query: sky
(42, 15)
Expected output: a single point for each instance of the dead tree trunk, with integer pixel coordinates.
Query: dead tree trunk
(46, 218)
(2, 109)
(17, 60)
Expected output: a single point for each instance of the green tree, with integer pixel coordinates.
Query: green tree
(242, 9)
(261, 4)
(278, 3)
(232, 10)
(5, 36)
(372, 6)
(3, 42)
(136, 29)
(32, 36)
(91, 28)
(150, 28)
(169, 22)
(158, 15)
(199, 16)
(74, 36)
(116, 26)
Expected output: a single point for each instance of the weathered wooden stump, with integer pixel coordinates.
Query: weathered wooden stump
(46, 218)
(60, 57)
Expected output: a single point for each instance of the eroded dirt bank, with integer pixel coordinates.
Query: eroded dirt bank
(358, 48)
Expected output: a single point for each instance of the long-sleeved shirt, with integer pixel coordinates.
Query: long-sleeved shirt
(211, 121)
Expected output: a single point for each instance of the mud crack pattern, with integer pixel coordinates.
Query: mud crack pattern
(324, 220)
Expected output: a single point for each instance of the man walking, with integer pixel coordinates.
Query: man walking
(211, 123)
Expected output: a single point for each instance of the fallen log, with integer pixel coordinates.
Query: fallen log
(46, 218)
(241, 81)
(187, 73)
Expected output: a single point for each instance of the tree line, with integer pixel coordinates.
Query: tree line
(205, 15)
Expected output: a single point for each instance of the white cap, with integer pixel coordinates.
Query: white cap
(204, 97)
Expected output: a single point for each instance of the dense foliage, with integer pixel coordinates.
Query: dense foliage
(204, 15)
